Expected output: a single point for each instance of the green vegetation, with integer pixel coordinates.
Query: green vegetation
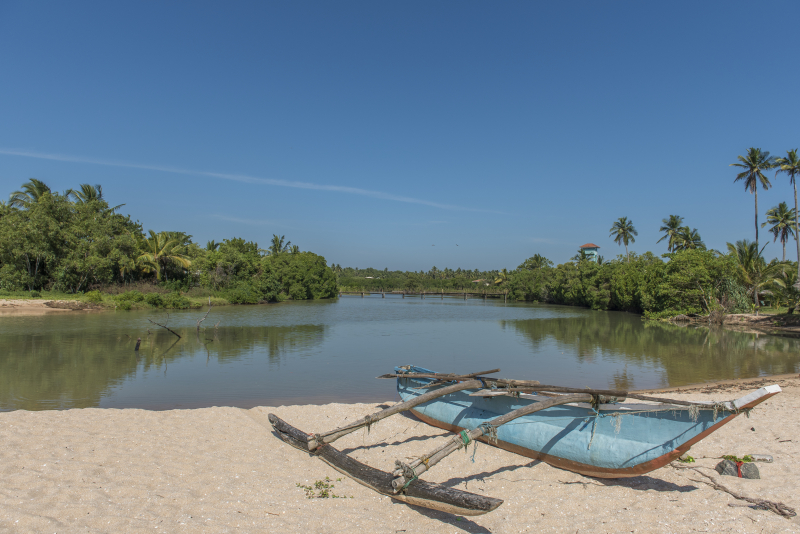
(623, 231)
(73, 245)
(689, 281)
(321, 489)
(434, 280)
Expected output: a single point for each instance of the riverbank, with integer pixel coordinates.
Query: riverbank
(766, 323)
(222, 469)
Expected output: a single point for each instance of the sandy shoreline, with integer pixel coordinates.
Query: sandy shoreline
(223, 470)
(41, 307)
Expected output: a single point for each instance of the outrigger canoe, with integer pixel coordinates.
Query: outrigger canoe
(599, 440)
(592, 432)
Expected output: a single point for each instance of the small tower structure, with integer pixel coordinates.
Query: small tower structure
(591, 251)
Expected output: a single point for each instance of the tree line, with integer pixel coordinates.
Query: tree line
(74, 242)
(692, 280)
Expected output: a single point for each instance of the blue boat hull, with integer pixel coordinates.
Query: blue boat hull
(609, 443)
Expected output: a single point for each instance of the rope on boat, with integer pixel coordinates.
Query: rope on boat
(465, 439)
(408, 470)
(369, 420)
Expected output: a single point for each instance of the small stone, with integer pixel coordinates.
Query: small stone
(750, 470)
(728, 468)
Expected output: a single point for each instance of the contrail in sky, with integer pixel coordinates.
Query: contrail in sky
(237, 178)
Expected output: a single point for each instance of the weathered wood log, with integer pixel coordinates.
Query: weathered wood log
(408, 472)
(425, 494)
(206, 315)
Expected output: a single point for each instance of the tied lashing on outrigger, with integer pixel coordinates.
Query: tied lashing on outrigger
(599, 433)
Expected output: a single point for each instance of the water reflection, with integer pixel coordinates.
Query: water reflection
(319, 352)
(685, 355)
(65, 369)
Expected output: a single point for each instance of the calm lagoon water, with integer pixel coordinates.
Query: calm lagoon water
(331, 351)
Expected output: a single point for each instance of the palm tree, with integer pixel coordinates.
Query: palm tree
(502, 277)
(687, 239)
(790, 292)
(782, 220)
(277, 246)
(295, 249)
(212, 245)
(31, 192)
(623, 231)
(754, 165)
(88, 193)
(670, 229)
(753, 271)
(791, 166)
(161, 249)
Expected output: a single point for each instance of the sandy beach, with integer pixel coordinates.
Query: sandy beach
(223, 470)
(41, 307)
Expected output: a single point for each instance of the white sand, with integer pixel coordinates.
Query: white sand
(223, 470)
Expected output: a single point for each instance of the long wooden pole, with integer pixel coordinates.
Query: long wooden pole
(317, 440)
(407, 472)
(534, 385)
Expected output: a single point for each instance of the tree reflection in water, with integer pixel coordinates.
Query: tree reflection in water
(686, 354)
(64, 369)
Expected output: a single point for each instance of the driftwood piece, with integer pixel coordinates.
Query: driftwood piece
(425, 494)
(408, 472)
(162, 326)
(204, 317)
(775, 507)
(329, 437)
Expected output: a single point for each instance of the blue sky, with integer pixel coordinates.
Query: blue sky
(369, 131)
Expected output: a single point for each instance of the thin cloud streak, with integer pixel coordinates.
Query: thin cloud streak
(239, 178)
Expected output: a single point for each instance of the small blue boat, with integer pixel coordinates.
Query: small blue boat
(609, 440)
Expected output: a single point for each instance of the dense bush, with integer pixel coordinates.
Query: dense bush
(130, 296)
(94, 296)
(154, 300)
(176, 301)
(75, 243)
(690, 281)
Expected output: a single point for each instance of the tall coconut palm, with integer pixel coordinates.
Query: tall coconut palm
(277, 246)
(88, 193)
(782, 220)
(791, 166)
(295, 249)
(161, 249)
(755, 273)
(670, 229)
(212, 245)
(30, 193)
(623, 231)
(754, 165)
(502, 277)
(687, 239)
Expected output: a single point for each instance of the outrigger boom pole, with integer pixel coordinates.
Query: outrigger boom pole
(408, 472)
(317, 440)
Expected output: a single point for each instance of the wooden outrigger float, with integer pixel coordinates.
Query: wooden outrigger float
(565, 427)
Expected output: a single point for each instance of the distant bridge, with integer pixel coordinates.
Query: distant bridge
(432, 294)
